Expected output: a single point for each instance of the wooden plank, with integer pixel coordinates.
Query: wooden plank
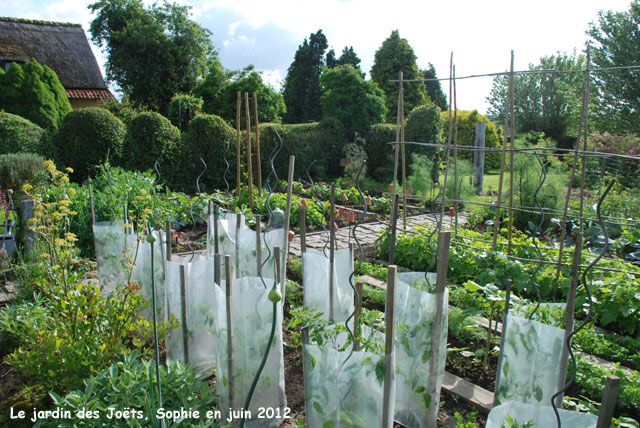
(608, 405)
(366, 279)
(473, 394)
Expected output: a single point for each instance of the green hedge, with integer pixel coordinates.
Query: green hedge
(18, 134)
(379, 151)
(85, 137)
(466, 128)
(149, 134)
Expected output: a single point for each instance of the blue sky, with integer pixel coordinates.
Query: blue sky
(481, 35)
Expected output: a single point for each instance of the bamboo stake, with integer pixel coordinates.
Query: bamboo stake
(397, 145)
(93, 212)
(230, 381)
(302, 220)
(237, 244)
(502, 162)
(505, 319)
(168, 239)
(394, 221)
(444, 239)
(287, 218)
(608, 404)
(512, 114)
(249, 165)
(258, 246)
(258, 158)
(455, 152)
(238, 145)
(276, 259)
(183, 304)
(356, 317)
(446, 169)
(332, 238)
(404, 162)
(216, 216)
(217, 269)
(388, 398)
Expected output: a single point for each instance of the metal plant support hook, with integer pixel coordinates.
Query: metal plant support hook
(107, 168)
(226, 162)
(543, 174)
(435, 172)
(153, 189)
(193, 220)
(589, 300)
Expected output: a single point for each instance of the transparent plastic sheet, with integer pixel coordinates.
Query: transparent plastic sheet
(530, 362)
(252, 313)
(339, 394)
(316, 283)
(111, 242)
(538, 416)
(247, 264)
(199, 274)
(415, 312)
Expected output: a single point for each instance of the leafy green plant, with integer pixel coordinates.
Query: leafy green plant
(19, 134)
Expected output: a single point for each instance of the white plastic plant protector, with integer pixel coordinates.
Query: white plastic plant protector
(252, 314)
(110, 240)
(343, 392)
(200, 311)
(537, 416)
(530, 363)
(227, 224)
(316, 283)
(415, 313)
(139, 252)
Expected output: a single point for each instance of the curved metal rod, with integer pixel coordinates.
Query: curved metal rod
(156, 181)
(589, 299)
(267, 203)
(224, 175)
(316, 199)
(543, 173)
(438, 219)
(193, 220)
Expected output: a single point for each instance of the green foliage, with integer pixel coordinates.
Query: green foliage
(86, 136)
(182, 109)
(208, 137)
(148, 135)
(151, 53)
(615, 41)
(354, 102)
(424, 124)
(34, 92)
(348, 57)
(544, 102)
(379, 151)
(130, 383)
(302, 84)
(123, 110)
(17, 169)
(393, 56)
(466, 129)
(434, 88)
(18, 134)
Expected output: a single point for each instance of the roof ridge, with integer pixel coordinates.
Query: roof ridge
(38, 22)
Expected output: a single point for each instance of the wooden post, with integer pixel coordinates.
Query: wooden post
(287, 218)
(258, 246)
(217, 268)
(276, 268)
(216, 216)
(238, 144)
(93, 212)
(258, 158)
(332, 239)
(237, 244)
(168, 239)
(456, 195)
(478, 156)
(230, 382)
(444, 238)
(388, 398)
(394, 222)
(302, 220)
(356, 317)
(608, 404)
(183, 304)
(505, 319)
(397, 145)
(249, 165)
(570, 313)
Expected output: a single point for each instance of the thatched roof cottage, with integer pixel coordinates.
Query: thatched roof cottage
(63, 47)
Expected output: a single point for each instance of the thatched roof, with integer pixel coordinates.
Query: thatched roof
(63, 47)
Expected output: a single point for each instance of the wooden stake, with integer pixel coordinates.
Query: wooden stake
(608, 405)
(258, 247)
(388, 398)
(238, 144)
(216, 216)
(332, 238)
(397, 145)
(505, 319)
(394, 222)
(276, 258)
(93, 212)
(183, 304)
(287, 218)
(217, 266)
(230, 381)
(456, 196)
(249, 165)
(258, 158)
(168, 239)
(302, 220)
(237, 244)
(444, 239)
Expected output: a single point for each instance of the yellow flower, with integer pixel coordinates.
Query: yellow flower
(64, 178)
(69, 169)
(27, 187)
(71, 191)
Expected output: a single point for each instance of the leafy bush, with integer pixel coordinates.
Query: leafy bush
(18, 134)
(206, 137)
(34, 92)
(17, 169)
(148, 136)
(379, 151)
(466, 128)
(182, 109)
(624, 169)
(123, 110)
(86, 136)
(130, 383)
(423, 125)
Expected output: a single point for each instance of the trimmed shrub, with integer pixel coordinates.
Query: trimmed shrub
(85, 137)
(18, 134)
(123, 110)
(17, 169)
(424, 125)
(34, 92)
(182, 109)
(379, 151)
(206, 137)
(148, 136)
(466, 128)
